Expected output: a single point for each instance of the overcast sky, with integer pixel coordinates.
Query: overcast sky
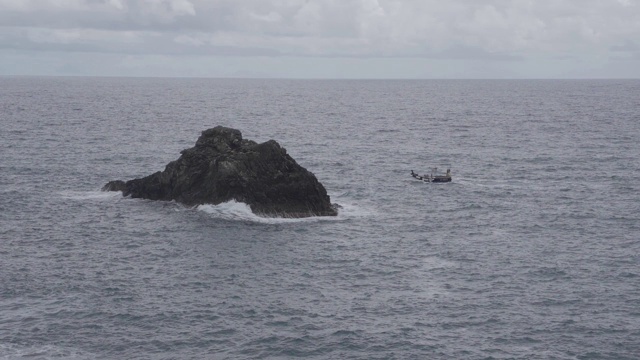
(322, 38)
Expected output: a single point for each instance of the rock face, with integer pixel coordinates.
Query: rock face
(223, 167)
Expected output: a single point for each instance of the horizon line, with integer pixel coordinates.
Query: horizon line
(302, 78)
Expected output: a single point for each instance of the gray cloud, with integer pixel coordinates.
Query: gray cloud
(627, 46)
(544, 32)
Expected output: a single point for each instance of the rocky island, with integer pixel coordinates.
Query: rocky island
(223, 166)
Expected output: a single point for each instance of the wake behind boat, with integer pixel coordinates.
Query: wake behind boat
(433, 176)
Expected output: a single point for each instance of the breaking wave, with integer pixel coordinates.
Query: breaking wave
(239, 211)
(89, 195)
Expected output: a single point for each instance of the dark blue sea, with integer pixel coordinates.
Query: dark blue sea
(532, 252)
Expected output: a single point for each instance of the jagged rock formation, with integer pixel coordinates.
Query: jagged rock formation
(222, 167)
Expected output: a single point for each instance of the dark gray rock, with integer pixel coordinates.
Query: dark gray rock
(222, 167)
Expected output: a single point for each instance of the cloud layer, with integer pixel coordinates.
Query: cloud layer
(601, 35)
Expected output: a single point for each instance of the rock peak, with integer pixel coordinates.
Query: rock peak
(220, 137)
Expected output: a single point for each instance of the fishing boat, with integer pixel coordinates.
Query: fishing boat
(433, 176)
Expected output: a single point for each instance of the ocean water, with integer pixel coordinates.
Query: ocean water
(532, 252)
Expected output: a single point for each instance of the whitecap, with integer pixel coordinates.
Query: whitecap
(437, 263)
(354, 210)
(89, 195)
(239, 211)
(42, 352)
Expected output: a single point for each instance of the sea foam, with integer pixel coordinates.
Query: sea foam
(89, 195)
(239, 211)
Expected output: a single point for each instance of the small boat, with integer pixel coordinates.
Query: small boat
(433, 176)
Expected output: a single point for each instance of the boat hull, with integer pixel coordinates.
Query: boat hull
(434, 179)
(441, 179)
